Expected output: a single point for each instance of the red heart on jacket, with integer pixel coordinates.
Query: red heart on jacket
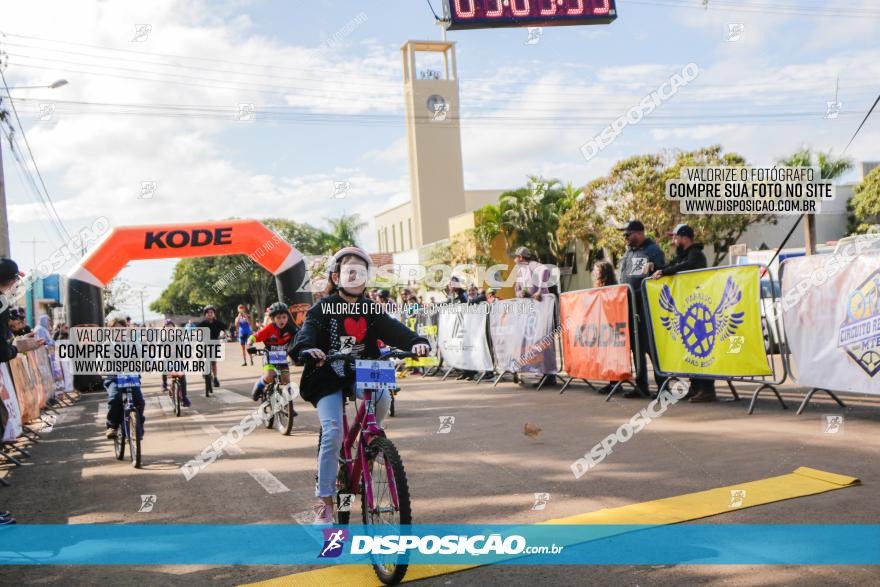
(356, 328)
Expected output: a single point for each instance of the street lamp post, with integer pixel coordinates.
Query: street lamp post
(5, 250)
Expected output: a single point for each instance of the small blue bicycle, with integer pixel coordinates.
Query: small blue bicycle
(129, 432)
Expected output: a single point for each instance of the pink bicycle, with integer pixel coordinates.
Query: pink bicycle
(370, 464)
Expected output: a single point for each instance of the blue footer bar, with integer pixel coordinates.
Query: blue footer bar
(695, 544)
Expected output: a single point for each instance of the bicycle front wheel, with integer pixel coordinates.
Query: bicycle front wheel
(134, 440)
(119, 445)
(388, 479)
(284, 417)
(209, 386)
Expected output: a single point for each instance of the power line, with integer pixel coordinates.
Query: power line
(27, 180)
(766, 8)
(31, 153)
(347, 73)
(864, 120)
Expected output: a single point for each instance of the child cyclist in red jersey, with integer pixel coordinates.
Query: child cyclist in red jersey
(277, 337)
(344, 322)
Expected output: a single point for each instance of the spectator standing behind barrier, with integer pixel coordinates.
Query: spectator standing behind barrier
(10, 346)
(17, 324)
(61, 332)
(455, 293)
(474, 296)
(641, 259)
(42, 331)
(532, 279)
(689, 256)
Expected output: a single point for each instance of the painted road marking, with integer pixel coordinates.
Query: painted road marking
(230, 397)
(269, 482)
(231, 449)
(166, 405)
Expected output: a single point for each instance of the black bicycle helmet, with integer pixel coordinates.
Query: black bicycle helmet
(208, 307)
(278, 308)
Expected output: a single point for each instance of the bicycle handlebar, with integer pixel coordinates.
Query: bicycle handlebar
(350, 359)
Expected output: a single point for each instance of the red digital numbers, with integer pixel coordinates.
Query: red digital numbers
(493, 13)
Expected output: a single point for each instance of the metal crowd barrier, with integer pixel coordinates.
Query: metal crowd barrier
(636, 353)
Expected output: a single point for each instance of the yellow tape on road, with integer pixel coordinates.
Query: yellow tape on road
(670, 510)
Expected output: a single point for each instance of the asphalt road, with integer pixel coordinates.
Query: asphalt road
(485, 469)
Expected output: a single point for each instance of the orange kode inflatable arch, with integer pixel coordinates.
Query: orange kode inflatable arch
(83, 290)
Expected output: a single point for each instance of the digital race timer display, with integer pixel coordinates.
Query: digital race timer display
(478, 14)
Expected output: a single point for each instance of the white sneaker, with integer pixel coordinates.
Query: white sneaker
(323, 515)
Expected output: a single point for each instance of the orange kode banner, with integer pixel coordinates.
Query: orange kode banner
(203, 239)
(595, 333)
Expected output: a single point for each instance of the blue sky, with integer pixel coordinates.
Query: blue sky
(334, 112)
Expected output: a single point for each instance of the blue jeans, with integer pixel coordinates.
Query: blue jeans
(116, 409)
(330, 415)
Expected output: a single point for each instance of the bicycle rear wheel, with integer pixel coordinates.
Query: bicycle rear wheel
(175, 395)
(209, 385)
(388, 478)
(134, 440)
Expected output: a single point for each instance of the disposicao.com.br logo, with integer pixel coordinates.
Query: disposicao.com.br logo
(493, 544)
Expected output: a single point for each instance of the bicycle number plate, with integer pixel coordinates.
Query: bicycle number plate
(375, 375)
(277, 357)
(128, 381)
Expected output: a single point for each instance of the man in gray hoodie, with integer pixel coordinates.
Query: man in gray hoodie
(642, 258)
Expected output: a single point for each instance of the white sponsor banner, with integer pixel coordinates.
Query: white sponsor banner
(463, 338)
(67, 371)
(522, 335)
(831, 312)
(12, 425)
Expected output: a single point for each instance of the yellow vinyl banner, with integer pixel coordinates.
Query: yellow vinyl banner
(709, 322)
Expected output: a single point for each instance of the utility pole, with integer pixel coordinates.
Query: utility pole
(143, 320)
(33, 282)
(5, 249)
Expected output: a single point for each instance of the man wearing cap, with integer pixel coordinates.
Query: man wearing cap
(532, 280)
(689, 256)
(531, 277)
(9, 276)
(641, 259)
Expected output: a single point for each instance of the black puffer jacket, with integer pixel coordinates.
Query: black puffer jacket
(333, 322)
(687, 260)
(7, 349)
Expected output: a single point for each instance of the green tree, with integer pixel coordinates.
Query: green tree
(229, 280)
(636, 189)
(865, 204)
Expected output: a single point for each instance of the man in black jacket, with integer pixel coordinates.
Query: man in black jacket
(689, 256)
(641, 259)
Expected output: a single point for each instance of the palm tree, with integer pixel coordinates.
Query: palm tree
(829, 168)
(344, 230)
(533, 214)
